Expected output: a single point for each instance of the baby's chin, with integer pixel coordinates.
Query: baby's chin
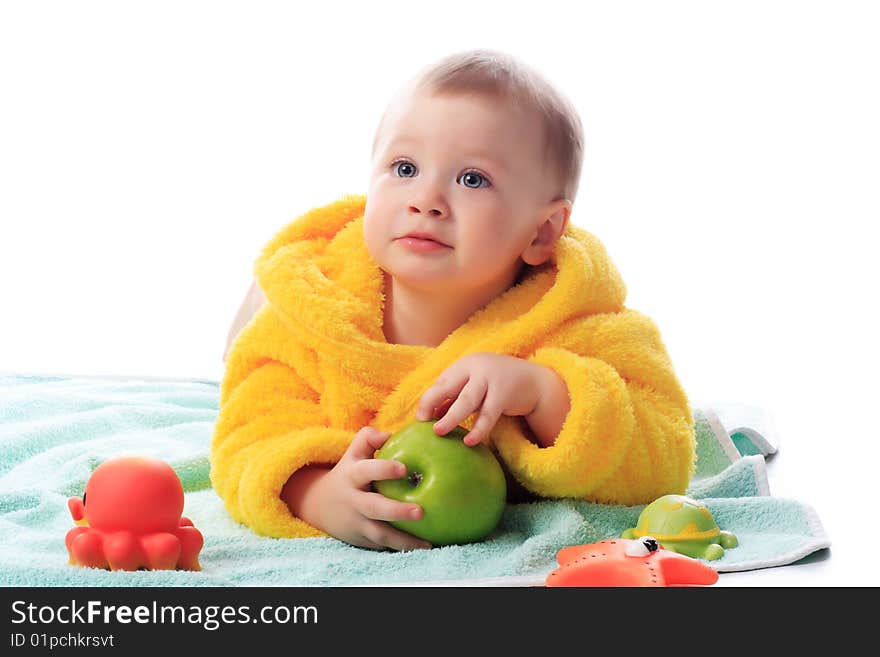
(422, 281)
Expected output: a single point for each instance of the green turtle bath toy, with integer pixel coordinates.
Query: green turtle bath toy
(683, 525)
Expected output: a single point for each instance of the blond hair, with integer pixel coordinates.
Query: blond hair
(501, 76)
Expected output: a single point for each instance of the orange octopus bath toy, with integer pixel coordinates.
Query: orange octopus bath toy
(132, 512)
(624, 562)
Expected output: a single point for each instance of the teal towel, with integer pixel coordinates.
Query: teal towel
(54, 431)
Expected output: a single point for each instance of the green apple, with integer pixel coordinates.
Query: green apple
(461, 489)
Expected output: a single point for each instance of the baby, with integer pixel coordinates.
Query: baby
(458, 291)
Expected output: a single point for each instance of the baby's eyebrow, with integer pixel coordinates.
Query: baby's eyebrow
(496, 163)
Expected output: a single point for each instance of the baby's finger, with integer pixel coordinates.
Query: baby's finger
(378, 507)
(470, 400)
(447, 387)
(365, 443)
(489, 414)
(364, 542)
(368, 470)
(384, 534)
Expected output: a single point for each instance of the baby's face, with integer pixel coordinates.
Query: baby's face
(465, 170)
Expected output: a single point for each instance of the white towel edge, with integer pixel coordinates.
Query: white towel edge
(721, 435)
(759, 469)
(759, 439)
(820, 541)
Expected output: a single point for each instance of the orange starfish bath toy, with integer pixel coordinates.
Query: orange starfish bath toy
(624, 562)
(131, 509)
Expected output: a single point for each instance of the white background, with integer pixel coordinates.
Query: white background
(149, 150)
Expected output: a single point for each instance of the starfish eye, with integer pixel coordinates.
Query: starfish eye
(642, 547)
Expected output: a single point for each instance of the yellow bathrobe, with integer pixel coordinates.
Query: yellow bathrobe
(312, 367)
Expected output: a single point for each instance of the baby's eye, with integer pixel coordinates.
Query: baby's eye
(473, 179)
(405, 169)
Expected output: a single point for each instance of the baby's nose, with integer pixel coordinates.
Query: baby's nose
(431, 211)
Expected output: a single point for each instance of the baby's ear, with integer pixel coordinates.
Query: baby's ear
(553, 224)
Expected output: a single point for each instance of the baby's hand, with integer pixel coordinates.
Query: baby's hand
(351, 511)
(493, 384)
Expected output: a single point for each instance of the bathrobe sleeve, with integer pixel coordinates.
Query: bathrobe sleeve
(270, 424)
(628, 437)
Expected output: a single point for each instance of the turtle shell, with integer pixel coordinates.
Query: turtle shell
(676, 518)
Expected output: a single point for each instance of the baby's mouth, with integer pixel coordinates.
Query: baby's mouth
(417, 237)
(422, 244)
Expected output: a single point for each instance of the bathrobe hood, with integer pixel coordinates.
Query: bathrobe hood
(320, 279)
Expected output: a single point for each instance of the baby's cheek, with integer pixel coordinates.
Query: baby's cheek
(374, 237)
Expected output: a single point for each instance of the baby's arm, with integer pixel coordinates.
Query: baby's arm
(340, 502)
(628, 437)
(271, 462)
(253, 301)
